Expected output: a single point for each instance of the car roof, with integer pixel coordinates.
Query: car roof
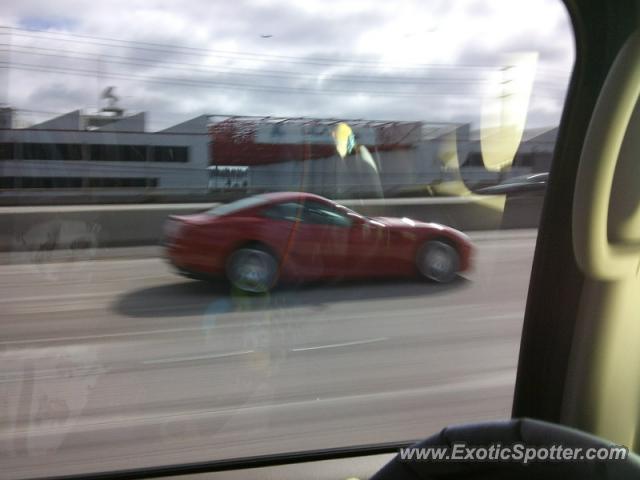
(285, 196)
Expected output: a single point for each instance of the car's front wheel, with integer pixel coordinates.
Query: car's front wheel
(438, 261)
(252, 269)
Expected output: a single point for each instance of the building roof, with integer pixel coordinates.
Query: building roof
(195, 125)
(132, 123)
(66, 121)
(541, 135)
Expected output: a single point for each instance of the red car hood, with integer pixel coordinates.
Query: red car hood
(405, 223)
(192, 219)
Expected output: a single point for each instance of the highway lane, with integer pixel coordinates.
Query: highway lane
(120, 363)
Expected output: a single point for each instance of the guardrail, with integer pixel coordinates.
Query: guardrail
(43, 228)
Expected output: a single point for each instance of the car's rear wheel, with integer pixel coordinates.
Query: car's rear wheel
(252, 269)
(438, 261)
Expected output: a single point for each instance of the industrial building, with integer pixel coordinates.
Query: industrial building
(111, 152)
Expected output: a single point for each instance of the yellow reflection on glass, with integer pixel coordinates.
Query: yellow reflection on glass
(344, 138)
(504, 111)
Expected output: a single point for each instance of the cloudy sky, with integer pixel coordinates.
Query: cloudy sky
(432, 60)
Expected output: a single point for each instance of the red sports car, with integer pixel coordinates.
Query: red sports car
(259, 240)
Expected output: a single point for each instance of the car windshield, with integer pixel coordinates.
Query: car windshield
(143, 324)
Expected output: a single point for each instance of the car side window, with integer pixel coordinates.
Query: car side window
(288, 211)
(318, 213)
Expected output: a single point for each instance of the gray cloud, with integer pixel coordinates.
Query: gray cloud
(345, 32)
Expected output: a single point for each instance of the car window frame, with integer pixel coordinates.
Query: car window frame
(328, 208)
(265, 211)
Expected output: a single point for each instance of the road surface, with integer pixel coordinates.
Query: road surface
(118, 363)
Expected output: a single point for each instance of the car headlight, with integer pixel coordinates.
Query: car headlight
(172, 229)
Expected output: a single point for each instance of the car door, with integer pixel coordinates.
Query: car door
(312, 238)
(369, 252)
(283, 221)
(323, 239)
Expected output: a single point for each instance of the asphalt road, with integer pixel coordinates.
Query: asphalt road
(119, 363)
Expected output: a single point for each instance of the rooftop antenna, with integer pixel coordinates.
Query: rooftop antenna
(112, 101)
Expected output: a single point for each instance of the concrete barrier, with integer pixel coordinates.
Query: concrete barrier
(82, 228)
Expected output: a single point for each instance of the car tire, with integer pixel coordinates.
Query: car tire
(252, 269)
(438, 261)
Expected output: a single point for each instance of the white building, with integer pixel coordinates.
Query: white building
(103, 151)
